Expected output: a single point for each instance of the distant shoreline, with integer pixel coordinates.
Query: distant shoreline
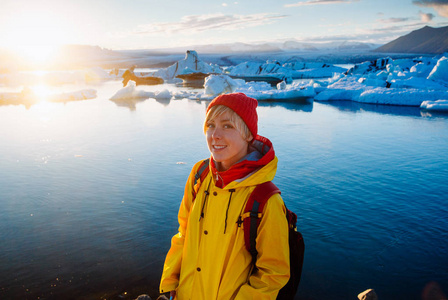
(89, 56)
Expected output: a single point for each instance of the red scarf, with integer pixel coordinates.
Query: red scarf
(245, 167)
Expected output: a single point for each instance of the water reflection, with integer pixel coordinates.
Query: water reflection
(164, 102)
(196, 84)
(431, 114)
(194, 80)
(356, 107)
(302, 105)
(129, 103)
(79, 217)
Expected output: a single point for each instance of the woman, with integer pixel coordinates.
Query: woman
(208, 258)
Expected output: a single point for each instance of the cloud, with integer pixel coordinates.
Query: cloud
(317, 2)
(426, 17)
(200, 23)
(375, 35)
(394, 20)
(440, 6)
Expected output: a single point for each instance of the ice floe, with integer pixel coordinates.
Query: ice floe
(440, 71)
(403, 81)
(438, 105)
(220, 84)
(385, 81)
(56, 77)
(29, 97)
(272, 68)
(190, 64)
(262, 91)
(130, 92)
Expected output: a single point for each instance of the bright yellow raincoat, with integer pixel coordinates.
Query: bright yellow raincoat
(208, 258)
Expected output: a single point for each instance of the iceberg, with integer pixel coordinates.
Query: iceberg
(302, 70)
(73, 96)
(405, 97)
(417, 83)
(262, 91)
(272, 70)
(220, 84)
(305, 93)
(405, 82)
(163, 95)
(348, 88)
(57, 77)
(440, 71)
(190, 64)
(343, 88)
(130, 95)
(370, 66)
(28, 97)
(130, 92)
(97, 74)
(438, 105)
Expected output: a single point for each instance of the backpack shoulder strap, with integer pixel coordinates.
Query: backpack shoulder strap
(253, 212)
(200, 175)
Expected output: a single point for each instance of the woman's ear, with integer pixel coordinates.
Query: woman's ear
(250, 138)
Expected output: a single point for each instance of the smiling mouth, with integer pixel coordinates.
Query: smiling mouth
(216, 147)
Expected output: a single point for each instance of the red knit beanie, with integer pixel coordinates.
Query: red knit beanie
(243, 106)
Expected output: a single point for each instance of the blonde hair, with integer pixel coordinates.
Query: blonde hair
(234, 119)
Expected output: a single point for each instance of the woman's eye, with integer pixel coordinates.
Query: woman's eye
(209, 125)
(228, 126)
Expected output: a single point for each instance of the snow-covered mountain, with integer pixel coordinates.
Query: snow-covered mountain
(281, 46)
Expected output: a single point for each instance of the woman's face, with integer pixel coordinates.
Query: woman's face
(225, 142)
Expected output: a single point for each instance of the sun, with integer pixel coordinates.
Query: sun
(35, 35)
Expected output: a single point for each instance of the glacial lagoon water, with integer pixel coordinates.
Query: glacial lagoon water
(89, 192)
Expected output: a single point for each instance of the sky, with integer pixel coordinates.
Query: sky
(41, 25)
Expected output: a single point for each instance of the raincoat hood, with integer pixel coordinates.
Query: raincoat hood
(261, 156)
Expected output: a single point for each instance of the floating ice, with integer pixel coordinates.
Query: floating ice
(129, 96)
(190, 64)
(130, 92)
(371, 66)
(73, 96)
(262, 91)
(273, 68)
(405, 97)
(393, 82)
(417, 83)
(28, 97)
(220, 84)
(282, 95)
(348, 88)
(345, 88)
(301, 70)
(438, 105)
(440, 71)
(163, 95)
(97, 74)
(405, 81)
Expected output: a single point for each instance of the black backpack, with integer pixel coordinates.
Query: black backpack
(251, 219)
